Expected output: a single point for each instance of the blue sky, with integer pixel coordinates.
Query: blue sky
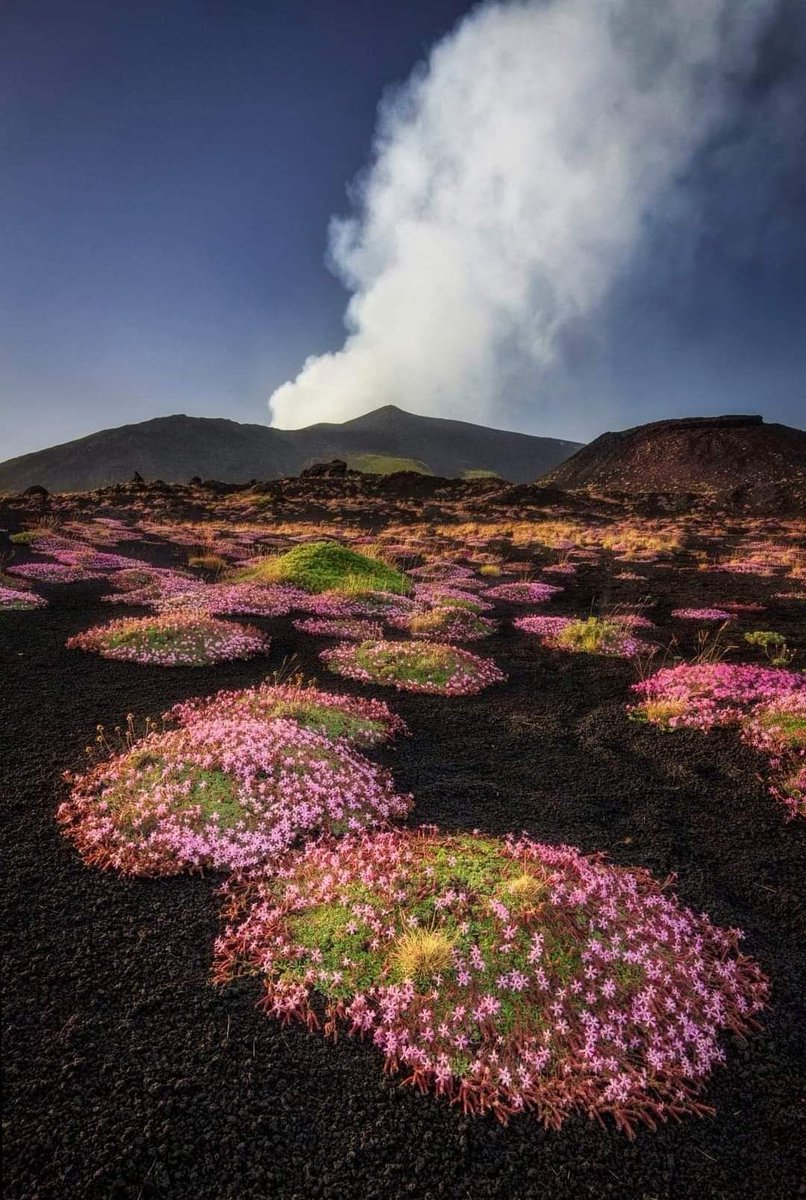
(169, 170)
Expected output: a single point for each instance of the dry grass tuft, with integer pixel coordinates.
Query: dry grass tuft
(422, 953)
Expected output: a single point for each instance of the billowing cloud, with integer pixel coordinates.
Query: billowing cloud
(510, 186)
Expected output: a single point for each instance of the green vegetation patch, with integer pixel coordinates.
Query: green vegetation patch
(326, 567)
(386, 464)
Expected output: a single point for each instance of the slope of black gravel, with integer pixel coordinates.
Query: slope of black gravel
(128, 1077)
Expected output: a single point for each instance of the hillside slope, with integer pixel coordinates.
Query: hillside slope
(693, 454)
(176, 448)
(447, 447)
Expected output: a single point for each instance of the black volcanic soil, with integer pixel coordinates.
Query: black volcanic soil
(128, 1077)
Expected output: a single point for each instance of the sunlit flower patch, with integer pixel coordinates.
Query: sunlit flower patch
(53, 572)
(630, 620)
(383, 604)
(441, 571)
(354, 630)
(326, 604)
(151, 586)
(448, 624)
(702, 695)
(173, 639)
(10, 598)
(594, 635)
(751, 566)
(414, 667)
(222, 793)
(358, 720)
(702, 614)
(768, 704)
(441, 595)
(220, 599)
(507, 975)
(565, 568)
(778, 729)
(90, 559)
(524, 591)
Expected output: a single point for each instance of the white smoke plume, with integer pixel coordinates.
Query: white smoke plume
(509, 185)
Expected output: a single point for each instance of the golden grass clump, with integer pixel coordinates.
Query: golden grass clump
(421, 953)
(208, 560)
(660, 712)
(526, 888)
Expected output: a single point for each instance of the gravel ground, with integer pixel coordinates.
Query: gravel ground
(128, 1077)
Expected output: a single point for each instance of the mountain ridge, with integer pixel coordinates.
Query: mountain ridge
(177, 447)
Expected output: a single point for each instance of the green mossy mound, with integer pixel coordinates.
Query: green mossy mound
(329, 567)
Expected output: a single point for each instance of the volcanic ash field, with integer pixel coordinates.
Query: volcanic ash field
(355, 854)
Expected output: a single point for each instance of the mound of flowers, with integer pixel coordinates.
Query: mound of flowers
(442, 595)
(382, 604)
(430, 667)
(442, 570)
(54, 572)
(355, 719)
(354, 630)
(11, 598)
(702, 614)
(768, 704)
(593, 635)
(326, 604)
(222, 793)
(778, 729)
(174, 639)
(329, 566)
(523, 591)
(240, 598)
(90, 559)
(508, 975)
(446, 624)
(151, 586)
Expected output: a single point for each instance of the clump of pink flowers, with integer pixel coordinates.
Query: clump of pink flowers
(89, 559)
(594, 635)
(219, 599)
(702, 695)
(702, 614)
(354, 630)
(172, 639)
(438, 595)
(446, 624)
(151, 586)
(223, 793)
(11, 598)
(768, 705)
(358, 720)
(545, 628)
(327, 604)
(444, 571)
(510, 976)
(523, 592)
(565, 568)
(430, 667)
(54, 572)
(383, 604)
